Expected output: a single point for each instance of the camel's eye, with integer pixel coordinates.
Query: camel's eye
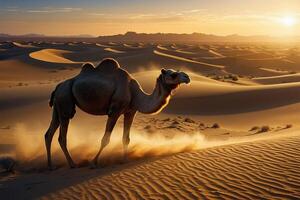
(174, 75)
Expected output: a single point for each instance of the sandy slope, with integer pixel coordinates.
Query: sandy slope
(186, 59)
(51, 55)
(23, 45)
(266, 169)
(264, 166)
(113, 50)
(231, 105)
(278, 79)
(258, 170)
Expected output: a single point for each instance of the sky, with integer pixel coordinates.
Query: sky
(218, 17)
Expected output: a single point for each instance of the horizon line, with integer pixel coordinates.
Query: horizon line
(86, 35)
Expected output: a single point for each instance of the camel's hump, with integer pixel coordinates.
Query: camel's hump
(87, 67)
(108, 64)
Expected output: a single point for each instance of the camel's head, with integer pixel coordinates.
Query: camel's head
(172, 79)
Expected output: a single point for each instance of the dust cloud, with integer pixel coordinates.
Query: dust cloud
(30, 152)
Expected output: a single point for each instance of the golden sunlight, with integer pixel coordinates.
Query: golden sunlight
(150, 99)
(288, 21)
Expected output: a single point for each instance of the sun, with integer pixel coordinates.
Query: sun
(288, 21)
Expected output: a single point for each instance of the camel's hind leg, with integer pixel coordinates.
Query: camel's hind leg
(110, 124)
(64, 123)
(49, 135)
(128, 119)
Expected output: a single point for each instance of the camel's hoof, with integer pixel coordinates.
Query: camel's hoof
(73, 166)
(124, 161)
(52, 168)
(93, 165)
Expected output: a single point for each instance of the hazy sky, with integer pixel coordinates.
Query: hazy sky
(221, 17)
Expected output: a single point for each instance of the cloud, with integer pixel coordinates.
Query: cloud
(136, 17)
(11, 10)
(38, 11)
(54, 10)
(194, 11)
(263, 18)
(42, 10)
(157, 18)
(96, 14)
(141, 16)
(165, 19)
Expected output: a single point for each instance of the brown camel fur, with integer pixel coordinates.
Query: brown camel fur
(106, 90)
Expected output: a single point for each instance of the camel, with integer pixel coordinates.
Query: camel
(106, 89)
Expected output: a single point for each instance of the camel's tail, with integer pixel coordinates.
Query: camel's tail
(52, 98)
(51, 101)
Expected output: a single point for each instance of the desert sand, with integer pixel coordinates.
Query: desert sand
(233, 133)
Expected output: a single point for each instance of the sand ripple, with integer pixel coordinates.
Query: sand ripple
(256, 170)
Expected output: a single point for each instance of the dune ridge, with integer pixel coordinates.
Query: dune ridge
(23, 45)
(113, 50)
(51, 55)
(187, 60)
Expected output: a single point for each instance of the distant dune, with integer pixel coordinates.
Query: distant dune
(233, 133)
(23, 45)
(51, 55)
(185, 59)
(113, 50)
(151, 37)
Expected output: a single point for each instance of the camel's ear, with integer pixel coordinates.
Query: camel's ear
(163, 71)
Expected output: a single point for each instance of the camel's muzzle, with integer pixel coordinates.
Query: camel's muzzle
(184, 78)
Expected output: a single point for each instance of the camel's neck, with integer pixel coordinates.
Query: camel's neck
(150, 103)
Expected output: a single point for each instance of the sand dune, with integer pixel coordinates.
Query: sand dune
(251, 67)
(196, 52)
(203, 98)
(113, 43)
(252, 98)
(51, 55)
(216, 53)
(290, 78)
(185, 52)
(103, 45)
(233, 133)
(113, 50)
(133, 46)
(7, 45)
(186, 59)
(276, 71)
(161, 47)
(253, 170)
(246, 171)
(23, 45)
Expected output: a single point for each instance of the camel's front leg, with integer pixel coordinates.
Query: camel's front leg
(64, 123)
(49, 135)
(110, 124)
(128, 119)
